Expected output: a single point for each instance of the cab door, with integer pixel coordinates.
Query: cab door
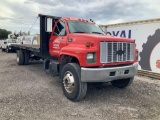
(58, 39)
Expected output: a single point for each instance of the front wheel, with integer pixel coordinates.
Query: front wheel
(7, 50)
(72, 86)
(122, 83)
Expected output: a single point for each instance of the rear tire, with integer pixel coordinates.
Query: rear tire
(20, 57)
(26, 57)
(122, 83)
(72, 86)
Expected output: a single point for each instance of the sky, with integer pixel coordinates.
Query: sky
(20, 15)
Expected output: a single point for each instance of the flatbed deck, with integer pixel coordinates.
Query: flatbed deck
(34, 48)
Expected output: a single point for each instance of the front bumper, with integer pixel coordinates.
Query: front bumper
(108, 74)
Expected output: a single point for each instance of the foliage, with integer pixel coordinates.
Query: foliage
(4, 33)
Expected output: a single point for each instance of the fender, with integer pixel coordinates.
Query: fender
(74, 52)
(77, 51)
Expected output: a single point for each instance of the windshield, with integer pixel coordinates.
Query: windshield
(11, 41)
(84, 27)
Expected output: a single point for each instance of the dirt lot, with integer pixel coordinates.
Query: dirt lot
(28, 93)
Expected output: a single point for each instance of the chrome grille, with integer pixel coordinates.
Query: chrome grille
(116, 52)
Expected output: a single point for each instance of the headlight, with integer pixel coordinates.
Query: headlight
(91, 58)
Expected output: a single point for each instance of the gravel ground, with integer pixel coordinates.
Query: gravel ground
(28, 93)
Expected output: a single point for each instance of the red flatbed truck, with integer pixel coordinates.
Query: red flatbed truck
(79, 52)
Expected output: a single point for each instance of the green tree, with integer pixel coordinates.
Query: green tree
(4, 33)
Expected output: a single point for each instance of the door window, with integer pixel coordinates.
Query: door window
(60, 29)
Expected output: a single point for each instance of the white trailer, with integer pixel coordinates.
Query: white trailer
(147, 36)
(29, 39)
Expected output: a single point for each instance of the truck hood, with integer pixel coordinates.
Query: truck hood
(97, 37)
(94, 39)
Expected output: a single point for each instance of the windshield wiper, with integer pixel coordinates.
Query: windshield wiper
(98, 33)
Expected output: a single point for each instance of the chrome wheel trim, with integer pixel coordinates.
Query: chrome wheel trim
(69, 82)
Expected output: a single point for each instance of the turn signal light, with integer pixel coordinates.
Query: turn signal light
(88, 44)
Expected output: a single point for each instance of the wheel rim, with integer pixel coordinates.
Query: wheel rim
(68, 82)
(17, 58)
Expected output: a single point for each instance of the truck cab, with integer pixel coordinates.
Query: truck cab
(3, 45)
(6, 45)
(84, 39)
(82, 45)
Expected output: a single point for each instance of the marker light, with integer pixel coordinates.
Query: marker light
(88, 44)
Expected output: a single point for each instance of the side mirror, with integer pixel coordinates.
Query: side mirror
(48, 23)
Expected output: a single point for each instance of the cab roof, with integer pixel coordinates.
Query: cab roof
(77, 19)
(67, 18)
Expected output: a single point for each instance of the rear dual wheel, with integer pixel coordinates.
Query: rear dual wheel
(23, 57)
(20, 57)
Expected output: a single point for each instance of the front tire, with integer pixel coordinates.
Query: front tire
(122, 83)
(72, 86)
(7, 50)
